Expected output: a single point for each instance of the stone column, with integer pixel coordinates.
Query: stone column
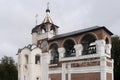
(78, 49)
(100, 47)
(61, 52)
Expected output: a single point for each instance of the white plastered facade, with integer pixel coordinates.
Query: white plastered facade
(28, 68)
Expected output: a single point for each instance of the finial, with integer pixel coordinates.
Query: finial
(48, 10)
(36, 16)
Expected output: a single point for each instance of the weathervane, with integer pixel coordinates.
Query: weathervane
(36, 16)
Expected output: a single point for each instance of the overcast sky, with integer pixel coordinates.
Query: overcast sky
(17, 18)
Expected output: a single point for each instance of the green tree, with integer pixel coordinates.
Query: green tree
(8, 69)
(116, 56)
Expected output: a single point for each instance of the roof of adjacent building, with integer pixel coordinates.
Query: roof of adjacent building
(81, 32)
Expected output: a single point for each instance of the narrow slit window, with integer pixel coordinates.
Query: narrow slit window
(37, 59)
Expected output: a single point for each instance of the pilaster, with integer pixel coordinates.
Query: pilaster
(69, 73)
(63, 71)
(112, 69)
(103, 68)
(44, 66)
(100, 47)
(78, 49)
(34, 38)
(61, 52)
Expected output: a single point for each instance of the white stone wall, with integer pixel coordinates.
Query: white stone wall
(36, 36)
(45, 35)
(30, 70)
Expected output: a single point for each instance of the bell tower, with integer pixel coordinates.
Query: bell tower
(44, 31)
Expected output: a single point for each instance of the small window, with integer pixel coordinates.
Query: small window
(37, 59)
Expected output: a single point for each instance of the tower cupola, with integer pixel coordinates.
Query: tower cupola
(47, 27)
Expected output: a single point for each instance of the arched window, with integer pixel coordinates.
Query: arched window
(26, 59)
(54, 53)
(37, 59)
(88, 42)
(69, 48)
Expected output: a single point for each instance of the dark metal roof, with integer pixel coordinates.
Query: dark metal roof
(35, 29)
(80, 32)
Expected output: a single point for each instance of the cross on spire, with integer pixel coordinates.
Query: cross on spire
(48, 5)
(48, 10)
(36, 16)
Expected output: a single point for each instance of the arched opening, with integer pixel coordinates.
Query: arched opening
(107, 41)
(52, 29)
(89, 46)
(37, 59)
(26, 59)
(54, 54)
(69, 48)
(43, 31)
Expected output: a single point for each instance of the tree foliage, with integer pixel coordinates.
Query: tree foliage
(116, 56)
(8, 70)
